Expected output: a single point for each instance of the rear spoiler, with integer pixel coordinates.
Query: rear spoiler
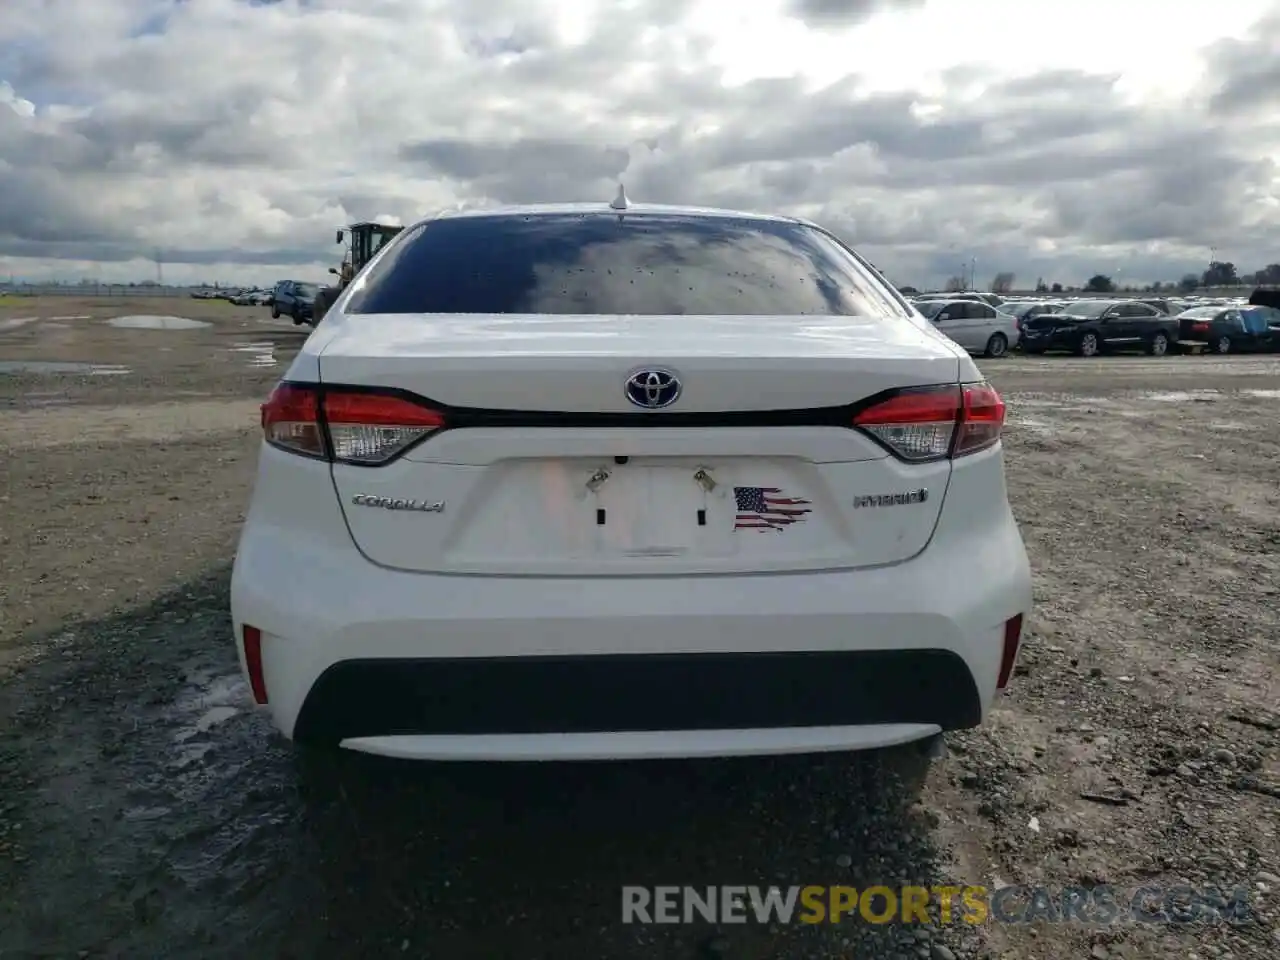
(1265, 298)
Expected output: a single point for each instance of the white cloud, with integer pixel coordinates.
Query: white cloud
(234, 137)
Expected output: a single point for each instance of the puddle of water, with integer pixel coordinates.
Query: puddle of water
(261, 354)
(1065, 402)
(1039, 427)
(144, 322)
(84, 317)
(60, 366)
(45, 398)
(222, 691)
(1228, 426)
(13, 323)
(1264, 394)
(1179, 396)
(134, 814)
(208, 720)
(210, 702)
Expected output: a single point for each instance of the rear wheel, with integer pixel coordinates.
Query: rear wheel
(1089, 345)
(997, 346)
(1222, 345)
(1158, 345)
(275, 311)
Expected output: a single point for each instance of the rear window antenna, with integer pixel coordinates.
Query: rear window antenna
(620, 202)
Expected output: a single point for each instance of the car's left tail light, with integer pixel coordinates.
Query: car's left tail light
(364, 428)
(1009, 652)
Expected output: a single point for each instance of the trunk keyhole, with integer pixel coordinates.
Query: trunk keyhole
(599, 518)
(702, 518)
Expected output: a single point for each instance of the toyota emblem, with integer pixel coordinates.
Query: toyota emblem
(653, 388)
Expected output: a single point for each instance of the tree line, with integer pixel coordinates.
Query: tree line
(1221, 273)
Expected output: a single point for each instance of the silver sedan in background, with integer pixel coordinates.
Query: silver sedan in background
(974, 325)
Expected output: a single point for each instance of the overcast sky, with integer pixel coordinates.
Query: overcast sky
(1055, 140)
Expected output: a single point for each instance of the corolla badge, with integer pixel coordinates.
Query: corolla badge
(397, 503)
(653, 388)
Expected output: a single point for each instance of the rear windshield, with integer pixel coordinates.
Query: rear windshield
(634, 264)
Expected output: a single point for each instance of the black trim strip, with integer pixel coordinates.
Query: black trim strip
(461, 418)
(638, 692)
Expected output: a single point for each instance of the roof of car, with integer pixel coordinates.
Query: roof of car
(650, 209)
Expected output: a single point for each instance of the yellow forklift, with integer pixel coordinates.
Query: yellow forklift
(364, 240)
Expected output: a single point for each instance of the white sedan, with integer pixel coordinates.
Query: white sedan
(978, 327)
(618, 481)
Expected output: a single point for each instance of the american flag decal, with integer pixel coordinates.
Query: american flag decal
(768, 508)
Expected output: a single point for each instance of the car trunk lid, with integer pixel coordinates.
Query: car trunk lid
(547, 467)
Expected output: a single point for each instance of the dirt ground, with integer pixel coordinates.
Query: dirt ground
(147, 811)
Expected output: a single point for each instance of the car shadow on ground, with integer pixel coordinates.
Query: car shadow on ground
(148, 810)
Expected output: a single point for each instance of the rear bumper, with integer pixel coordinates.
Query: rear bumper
(600, 693)
(472, 667)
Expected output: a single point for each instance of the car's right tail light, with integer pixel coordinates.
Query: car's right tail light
(933, 423)
(360, 427)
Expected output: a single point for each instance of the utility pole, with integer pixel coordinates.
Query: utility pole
(159, 269)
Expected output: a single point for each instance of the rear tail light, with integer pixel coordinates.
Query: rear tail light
(253, 662)
(1200, 327)
(1009, 655)
(291, 420)
(933, 423)
(371, 428)
(345, 426)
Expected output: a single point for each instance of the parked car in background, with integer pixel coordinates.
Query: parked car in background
(990, 299)
(1231, 329)
(294, 299)
(253, 298)
(1024, 310)
(972, 324)
(1171, 307)
(1089, 327)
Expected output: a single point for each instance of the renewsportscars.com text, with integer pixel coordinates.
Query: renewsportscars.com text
(944, 904)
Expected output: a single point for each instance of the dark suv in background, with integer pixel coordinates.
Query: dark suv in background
(294, 299)
(1089, 327)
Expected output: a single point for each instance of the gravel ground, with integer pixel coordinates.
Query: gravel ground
(146, 811)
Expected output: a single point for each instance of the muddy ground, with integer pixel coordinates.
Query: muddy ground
(146, 811)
